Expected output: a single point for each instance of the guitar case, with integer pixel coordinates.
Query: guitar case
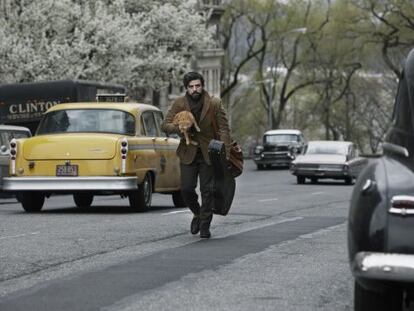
(224, 183)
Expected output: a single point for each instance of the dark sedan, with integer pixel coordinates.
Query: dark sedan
(381, 216)
(279, 148)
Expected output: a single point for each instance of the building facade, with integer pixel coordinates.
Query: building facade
(208, 61)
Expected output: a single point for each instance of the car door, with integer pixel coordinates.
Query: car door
(159, 143)
(147, 157)
(167, 147)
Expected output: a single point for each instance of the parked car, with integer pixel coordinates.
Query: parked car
(381, 215)
(96, 148)
(328, 159)
(7, 133)
(279, 148)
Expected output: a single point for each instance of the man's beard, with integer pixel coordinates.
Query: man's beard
(196, 96)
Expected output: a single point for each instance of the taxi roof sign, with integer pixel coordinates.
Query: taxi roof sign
(111, 98)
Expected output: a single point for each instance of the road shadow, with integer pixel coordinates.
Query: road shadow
(98, 209)
(325, 183)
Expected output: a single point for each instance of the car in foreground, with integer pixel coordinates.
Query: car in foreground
(381, 214)
(325, 159)
(95, 148)
(279, 148)
(7, 133)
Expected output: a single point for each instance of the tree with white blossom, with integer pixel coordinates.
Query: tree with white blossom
(128, 42)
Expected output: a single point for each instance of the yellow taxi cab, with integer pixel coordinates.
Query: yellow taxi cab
(99, 148)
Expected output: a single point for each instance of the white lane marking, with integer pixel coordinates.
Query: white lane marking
(266, 200)
(18, 236)
(317, 193)
(175, 212)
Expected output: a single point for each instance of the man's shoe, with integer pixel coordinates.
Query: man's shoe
(195, 225)
(205, 234)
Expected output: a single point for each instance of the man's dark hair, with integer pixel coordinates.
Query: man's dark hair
(192, 75)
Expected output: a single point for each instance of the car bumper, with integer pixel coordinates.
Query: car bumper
(321, 173)
(384, 266)
(66, 184)
(273, 161)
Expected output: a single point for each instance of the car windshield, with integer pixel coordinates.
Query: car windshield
(87, 121)
(281, 138)
(7, 135)
(326, 149)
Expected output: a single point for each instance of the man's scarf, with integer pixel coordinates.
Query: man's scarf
(196, 105)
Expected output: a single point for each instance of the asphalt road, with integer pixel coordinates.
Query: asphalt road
(282, 247)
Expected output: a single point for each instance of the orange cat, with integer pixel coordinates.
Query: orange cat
(185, 120)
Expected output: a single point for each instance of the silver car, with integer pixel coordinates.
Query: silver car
(328, 159)
(7, 133)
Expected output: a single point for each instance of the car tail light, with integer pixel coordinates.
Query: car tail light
(13, 154)
(124, 153)
(402, 205)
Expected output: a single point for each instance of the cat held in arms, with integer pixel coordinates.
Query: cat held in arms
(185, 120)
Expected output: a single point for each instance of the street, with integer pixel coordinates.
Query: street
(282, 247)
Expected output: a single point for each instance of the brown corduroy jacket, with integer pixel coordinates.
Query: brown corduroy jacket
(187, 153)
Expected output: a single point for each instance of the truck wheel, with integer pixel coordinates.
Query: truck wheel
(178, 199)
(260, 167)
(32, 201)
(300, 179)
(140, 200)
(365, 299)
(314, 180)
(83, 199)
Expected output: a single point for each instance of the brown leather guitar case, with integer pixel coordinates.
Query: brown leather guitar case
(225, 185)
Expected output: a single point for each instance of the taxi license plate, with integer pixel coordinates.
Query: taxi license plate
(66, 170)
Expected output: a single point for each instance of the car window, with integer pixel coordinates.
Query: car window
(352, 152)
(158, 120)
(142, 128)
(149, 124)
(326, 149)
(7, 136)
(278, 138)
(87, 120)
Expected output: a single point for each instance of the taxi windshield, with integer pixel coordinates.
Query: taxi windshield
(87, 121)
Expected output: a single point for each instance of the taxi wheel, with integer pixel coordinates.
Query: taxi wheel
(83, 199)
(140, 200)
(32, 201)
(178, 199)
